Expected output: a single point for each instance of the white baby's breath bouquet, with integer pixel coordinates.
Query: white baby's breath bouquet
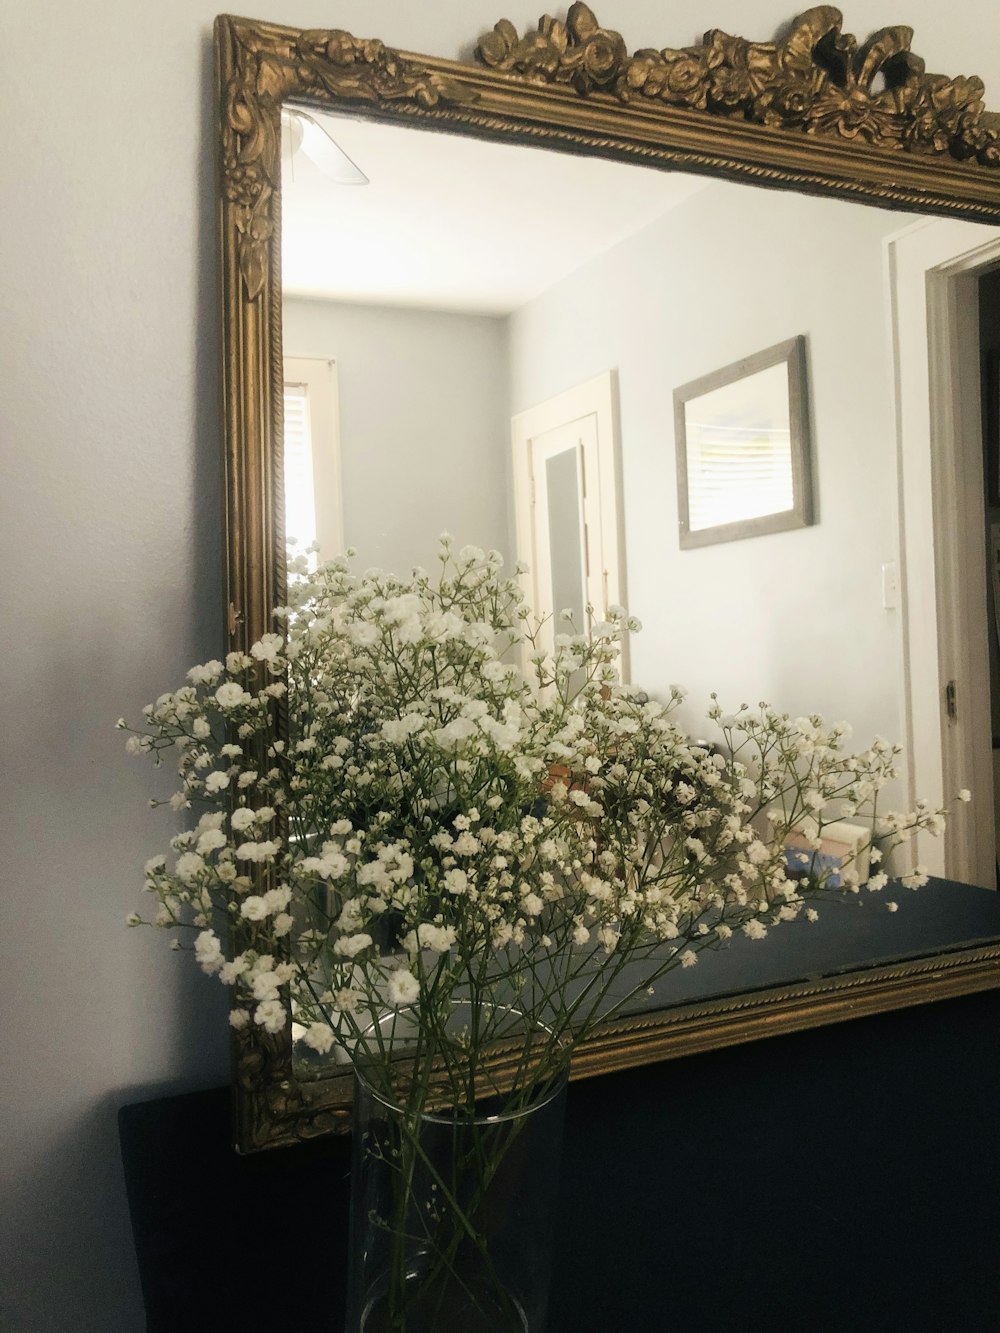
(405, 805)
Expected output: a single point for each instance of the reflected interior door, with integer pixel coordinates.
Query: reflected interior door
(565, 526)
(565, 455)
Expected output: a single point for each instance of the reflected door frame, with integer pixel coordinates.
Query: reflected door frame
(933, 269)
(589, 410)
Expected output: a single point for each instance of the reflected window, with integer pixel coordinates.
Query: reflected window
(300, 494)
(313, 490)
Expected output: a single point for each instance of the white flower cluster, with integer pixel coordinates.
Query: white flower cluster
(423, 819)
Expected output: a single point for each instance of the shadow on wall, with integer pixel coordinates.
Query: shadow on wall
(71, 1261)
(69, 1258)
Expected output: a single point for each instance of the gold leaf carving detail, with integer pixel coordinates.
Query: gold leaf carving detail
(579, 52)
(817, 80)
(316, 63)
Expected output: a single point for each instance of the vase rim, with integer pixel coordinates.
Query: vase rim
(552, 1088)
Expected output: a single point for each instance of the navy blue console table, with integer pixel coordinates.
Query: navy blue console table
(840, 1178)
(843, 1178)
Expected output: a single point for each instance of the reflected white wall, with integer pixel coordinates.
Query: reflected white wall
(794, 618)
(425, 425)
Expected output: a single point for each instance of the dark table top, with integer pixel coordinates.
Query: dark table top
(843, 1178)
(854, 932)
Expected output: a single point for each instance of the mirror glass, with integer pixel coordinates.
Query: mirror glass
(738, 451)
(563, 517)
(486, 339)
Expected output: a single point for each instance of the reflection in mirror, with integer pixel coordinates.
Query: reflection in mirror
(455, 292)
(471, 284)
(564, 519)
(742, 449)
(566, 461)
(313, 484)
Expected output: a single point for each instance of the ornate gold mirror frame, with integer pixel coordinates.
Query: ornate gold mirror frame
(815, 112)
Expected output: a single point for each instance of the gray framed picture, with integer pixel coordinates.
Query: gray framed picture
(742, 439)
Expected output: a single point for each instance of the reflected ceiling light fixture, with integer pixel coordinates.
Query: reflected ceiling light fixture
(304, 134)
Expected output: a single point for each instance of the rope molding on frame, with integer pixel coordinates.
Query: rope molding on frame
(818, 81)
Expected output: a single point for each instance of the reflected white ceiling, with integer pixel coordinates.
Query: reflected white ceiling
(450, 223)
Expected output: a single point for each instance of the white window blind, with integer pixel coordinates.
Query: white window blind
(737, 472)
(300, 497)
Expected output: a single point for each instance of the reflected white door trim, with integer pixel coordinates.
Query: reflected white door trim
(932, 270)
(318, 375)
(597, 400)
(577, 438)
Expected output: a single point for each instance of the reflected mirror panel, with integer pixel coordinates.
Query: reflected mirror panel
(742, 446)
(496, 334)
(563, 521)
(738, 453)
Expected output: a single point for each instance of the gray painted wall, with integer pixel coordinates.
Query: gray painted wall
(424, 425)
(110, 545)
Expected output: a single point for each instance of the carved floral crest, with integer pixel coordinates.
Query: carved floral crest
(818, 81)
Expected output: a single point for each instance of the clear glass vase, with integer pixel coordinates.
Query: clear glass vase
(452, 1211)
